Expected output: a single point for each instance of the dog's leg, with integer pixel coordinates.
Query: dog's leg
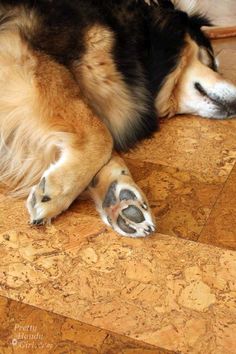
(120, 202)
(84, 144)
(47, 133)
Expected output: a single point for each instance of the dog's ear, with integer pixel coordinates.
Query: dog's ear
(199, 20)
(169, 22)
(166, 4)
(190, 7)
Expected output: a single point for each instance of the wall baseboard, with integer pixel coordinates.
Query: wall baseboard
(220, 32)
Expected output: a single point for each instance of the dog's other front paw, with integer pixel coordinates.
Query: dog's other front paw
(126, 209)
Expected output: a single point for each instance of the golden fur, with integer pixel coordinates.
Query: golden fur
(97, 69)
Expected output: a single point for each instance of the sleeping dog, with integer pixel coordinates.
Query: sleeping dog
(81, 80)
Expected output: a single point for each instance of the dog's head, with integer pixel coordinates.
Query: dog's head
(183, 68)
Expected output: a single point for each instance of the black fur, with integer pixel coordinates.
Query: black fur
(148, 42)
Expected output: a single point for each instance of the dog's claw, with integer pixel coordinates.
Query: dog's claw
(38, 222)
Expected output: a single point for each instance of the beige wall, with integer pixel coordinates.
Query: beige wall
(221, 12)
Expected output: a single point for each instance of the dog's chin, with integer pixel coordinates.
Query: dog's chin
(223, 115)
(219, 106)
(219, 116)
(221, 111)
(216, 115)
(217, 110)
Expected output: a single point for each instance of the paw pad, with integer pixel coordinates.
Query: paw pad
(110, 198)
(134, 214)
(126, 194)
(124, 226)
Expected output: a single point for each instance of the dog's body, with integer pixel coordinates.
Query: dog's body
(127, 61)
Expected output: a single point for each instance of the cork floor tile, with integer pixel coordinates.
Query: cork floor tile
(165, 291)
(204, 147)
(221, 226)
(26, 329)
(180, 201)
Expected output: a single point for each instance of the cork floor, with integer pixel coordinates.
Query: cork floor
(77, 287)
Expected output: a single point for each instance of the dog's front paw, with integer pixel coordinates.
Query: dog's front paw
(47, 200)
(126, 210)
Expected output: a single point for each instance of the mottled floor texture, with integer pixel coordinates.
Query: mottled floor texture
(77, 287)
